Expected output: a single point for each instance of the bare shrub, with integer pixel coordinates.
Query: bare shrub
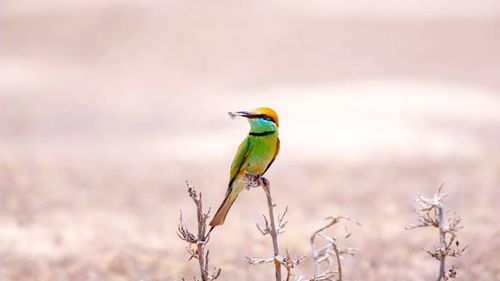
(429, 212)
(270, 228)
(327, 258)
(197, 243)
(329, 254)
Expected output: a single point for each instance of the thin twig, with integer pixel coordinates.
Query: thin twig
(200, 239)
(273, 230)
(325, 253)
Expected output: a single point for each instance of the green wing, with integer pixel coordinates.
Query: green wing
(274, 157)
(240, 157)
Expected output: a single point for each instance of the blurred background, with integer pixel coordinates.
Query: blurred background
(107, 107)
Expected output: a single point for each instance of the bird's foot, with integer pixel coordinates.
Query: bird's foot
(254, 181)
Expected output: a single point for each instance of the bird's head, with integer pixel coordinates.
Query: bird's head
(260, 119)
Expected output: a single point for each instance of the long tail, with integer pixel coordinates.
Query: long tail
(220, 215)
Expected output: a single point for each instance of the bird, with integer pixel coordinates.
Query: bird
(254, 156)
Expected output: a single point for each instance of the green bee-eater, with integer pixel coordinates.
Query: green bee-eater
(254, 156)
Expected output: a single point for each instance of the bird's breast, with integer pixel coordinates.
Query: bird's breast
(263, 152)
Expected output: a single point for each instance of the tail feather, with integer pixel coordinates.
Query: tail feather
(232, 193)
(220, 215)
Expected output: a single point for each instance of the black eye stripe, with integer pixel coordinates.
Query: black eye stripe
(265, 117)
(268, 118)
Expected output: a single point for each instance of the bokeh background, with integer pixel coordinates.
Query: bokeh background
(107, 107)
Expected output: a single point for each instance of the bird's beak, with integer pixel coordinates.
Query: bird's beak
(245, 114)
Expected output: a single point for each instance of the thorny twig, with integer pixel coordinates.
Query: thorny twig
(289, 263)
(280, 228)
(273, 230)
(429, 212)
(200, 240)
(326, 253)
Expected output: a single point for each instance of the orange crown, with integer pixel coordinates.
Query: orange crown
(269, 112)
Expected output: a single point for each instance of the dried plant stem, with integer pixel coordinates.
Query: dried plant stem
(273, 228)
(429, 212)
(315, 254)
(325, 253)
(273, 232)
(337, 255)
(201, 239)
(442, 241)
(200, 245)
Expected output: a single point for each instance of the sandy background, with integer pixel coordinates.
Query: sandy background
(107, 107)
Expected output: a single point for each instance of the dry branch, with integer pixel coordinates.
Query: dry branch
(429, 212)
(200, 239)
(328, 252)
(270, 228)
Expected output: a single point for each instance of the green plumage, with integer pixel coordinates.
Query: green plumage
(254, 156)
